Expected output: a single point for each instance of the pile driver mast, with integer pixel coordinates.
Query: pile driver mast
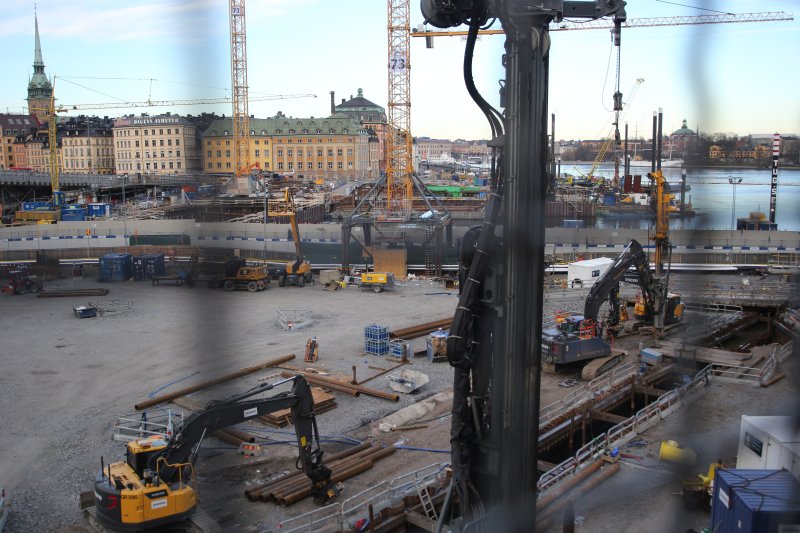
(495, 341)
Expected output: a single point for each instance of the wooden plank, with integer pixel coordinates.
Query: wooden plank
(606, 417)
(394, 261)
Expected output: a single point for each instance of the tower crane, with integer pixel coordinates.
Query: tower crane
(399, 166)
(241, 115)
(644, 22)
(164, 103)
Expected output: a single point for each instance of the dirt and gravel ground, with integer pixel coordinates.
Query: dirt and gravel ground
(64, 380)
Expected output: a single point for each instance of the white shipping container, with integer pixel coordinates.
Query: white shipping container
(586, 273)
(769, 443)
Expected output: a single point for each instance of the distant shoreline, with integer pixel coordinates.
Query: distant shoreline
(690, 165)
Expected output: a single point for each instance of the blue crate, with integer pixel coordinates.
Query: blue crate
(400, 348)
(375, 332)
(376, 347)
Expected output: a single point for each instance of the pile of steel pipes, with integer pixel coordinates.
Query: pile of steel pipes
(419, 330)
(294, 487)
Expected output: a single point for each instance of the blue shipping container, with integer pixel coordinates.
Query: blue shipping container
(73, 214)
(609, 199)
(148, 265)
(754, 501)
(31, 206)
(116, 267)
(99, 210)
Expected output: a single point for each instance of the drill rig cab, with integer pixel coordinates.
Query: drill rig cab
(154, 485)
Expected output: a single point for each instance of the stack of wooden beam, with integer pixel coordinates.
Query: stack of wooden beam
(323, 402)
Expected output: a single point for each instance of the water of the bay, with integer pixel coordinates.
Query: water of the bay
(712, 197)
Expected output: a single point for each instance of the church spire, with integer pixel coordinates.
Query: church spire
(38, 62)
(39, 87)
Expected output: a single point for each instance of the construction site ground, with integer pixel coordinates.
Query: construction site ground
(65, 380)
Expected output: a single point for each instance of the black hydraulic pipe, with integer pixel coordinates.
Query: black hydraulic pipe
(627, 163)
(660, 132)
(653, 146)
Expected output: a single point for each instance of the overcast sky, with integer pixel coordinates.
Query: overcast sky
(740, 78)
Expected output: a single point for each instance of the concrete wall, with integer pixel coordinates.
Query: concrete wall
(275, 237)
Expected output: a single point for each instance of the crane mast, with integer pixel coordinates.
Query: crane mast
(241, 114)
(399, 165)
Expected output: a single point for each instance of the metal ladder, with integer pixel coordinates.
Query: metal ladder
(425, 499)
(429, 244)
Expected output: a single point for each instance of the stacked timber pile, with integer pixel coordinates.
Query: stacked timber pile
(344, 465)
(323, 402)
(700, 354)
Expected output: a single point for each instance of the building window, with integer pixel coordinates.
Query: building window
(290, 165)
(179, 163)
(319, 152)
(170, 164)
(339, 165)
(339, 152)
(169, 142)
(350, 164)
(177, 142)
(219, 153)
(178, 153)
(177, 131)
(330, 152)
(162, 153)
(258, 153)
(289, 152)
(266, 153)
(227, 153)
(228, 165)
(209, 164)
(209, 153)
(280, 165)
(280, 152)
(219, 165)
(145, 132)
(146, 142)
(208, 143)
(291, 132)
(160, 132)
(349, 152)
(330, 165)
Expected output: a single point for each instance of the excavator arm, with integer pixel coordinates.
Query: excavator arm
(608, 284)
(182, 448)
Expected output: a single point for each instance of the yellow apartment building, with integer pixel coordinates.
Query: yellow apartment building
(316, 148)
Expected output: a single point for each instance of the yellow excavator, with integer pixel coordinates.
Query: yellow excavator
(154, 485)
(297, 272)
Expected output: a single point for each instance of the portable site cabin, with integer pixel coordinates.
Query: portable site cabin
(585, 273)
(769, 442)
